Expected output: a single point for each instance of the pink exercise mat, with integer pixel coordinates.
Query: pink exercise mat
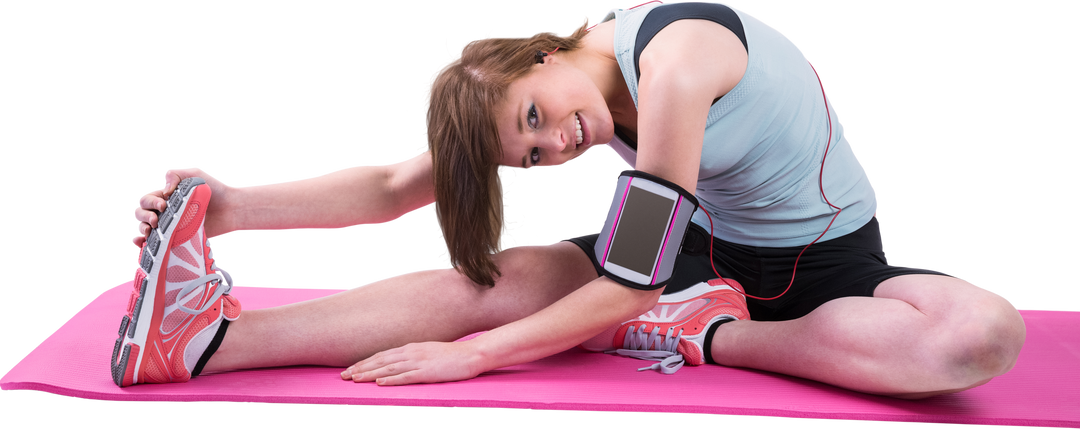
(1041, 391)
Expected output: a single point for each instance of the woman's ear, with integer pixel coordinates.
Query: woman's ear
(540, 54)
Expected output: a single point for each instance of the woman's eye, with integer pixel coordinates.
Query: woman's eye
(532, 118)
(534, 156)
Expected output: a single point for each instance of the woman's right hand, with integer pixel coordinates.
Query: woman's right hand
(152, 204)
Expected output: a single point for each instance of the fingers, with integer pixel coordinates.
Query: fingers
(149, 206)
(174, 177)
(155, 202)
(172, 180)
(139, 241)
(374, 362)
(379, 368)
(144, 232)
(409, 377)
(430, 362)
(390, 375)
(147, 214)
(152, 204)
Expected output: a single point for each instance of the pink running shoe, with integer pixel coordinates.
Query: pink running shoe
(673, 333)
(180, 296)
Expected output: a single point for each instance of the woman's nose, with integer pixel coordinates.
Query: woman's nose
(556, 141)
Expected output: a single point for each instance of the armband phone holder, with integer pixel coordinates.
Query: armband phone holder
(644, 230)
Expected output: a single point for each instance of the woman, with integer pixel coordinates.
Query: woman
(713, 101)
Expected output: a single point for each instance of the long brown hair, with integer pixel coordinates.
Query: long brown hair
(465, 146)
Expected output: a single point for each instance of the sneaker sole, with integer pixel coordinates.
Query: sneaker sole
(135, 325)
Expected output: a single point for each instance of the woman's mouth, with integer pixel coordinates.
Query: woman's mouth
(580, 132)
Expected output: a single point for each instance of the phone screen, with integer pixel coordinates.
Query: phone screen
(643, 224)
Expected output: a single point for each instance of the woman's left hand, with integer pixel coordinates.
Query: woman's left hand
(431, 362)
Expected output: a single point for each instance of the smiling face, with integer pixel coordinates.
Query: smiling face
(551, 116)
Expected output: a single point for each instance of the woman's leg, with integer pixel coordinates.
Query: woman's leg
(343, 328)
(919, 336)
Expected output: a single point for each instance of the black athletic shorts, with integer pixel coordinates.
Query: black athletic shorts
(852, 265)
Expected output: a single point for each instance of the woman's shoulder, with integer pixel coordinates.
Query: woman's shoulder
(706, 53)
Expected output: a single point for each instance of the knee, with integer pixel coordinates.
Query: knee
(983, 341)
(1004, 338)
(969, 349)
(530, 279)
(560, 262)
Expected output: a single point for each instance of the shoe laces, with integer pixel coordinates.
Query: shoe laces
(215, 277)
(650, 345)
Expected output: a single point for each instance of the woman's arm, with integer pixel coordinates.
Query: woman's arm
(686, 66)
(348, 197)
(562, 325)
(568, 322)
(354, 196)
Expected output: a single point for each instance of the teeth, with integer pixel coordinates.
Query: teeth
(577, 121)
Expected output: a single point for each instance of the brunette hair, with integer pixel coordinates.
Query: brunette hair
(465, 148)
